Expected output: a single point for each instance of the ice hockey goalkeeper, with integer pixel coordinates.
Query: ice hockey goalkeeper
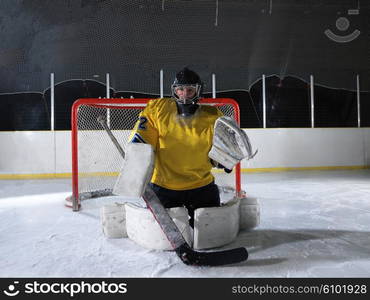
(189, 139)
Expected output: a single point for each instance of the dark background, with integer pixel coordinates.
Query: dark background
(238, 40)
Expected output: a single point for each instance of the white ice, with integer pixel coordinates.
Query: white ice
(313, 224)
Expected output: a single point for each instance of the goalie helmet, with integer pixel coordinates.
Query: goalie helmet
(186, 90)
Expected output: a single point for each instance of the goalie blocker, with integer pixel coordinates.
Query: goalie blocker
(230, 143)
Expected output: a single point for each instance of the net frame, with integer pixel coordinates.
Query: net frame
(74, 201)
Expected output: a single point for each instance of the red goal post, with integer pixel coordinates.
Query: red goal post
(96, 162)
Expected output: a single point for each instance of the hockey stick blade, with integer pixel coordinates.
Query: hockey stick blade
(217, 258)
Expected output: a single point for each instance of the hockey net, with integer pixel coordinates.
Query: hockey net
(96, 162)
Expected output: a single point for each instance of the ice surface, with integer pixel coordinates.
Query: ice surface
(313, 224)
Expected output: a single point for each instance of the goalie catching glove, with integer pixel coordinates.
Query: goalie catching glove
(230, 143)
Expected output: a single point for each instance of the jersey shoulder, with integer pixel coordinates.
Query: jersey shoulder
(157, 105)
(211, 110)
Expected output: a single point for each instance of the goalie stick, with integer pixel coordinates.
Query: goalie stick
(188, 255)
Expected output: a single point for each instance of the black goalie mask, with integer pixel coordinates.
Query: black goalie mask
(186, 90)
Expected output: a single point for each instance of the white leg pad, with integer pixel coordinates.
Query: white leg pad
(216, 226)
(143, 229)
(113, 218)
(136, 171)
(249, 213)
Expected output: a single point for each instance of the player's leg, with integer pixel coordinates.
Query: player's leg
(206, 196)
(169, 198)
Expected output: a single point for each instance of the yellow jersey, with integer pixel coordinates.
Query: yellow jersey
(181, 144)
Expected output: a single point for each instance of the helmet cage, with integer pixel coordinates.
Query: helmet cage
(197, 88)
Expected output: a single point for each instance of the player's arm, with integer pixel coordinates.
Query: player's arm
(217, 165)
(145, 130)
